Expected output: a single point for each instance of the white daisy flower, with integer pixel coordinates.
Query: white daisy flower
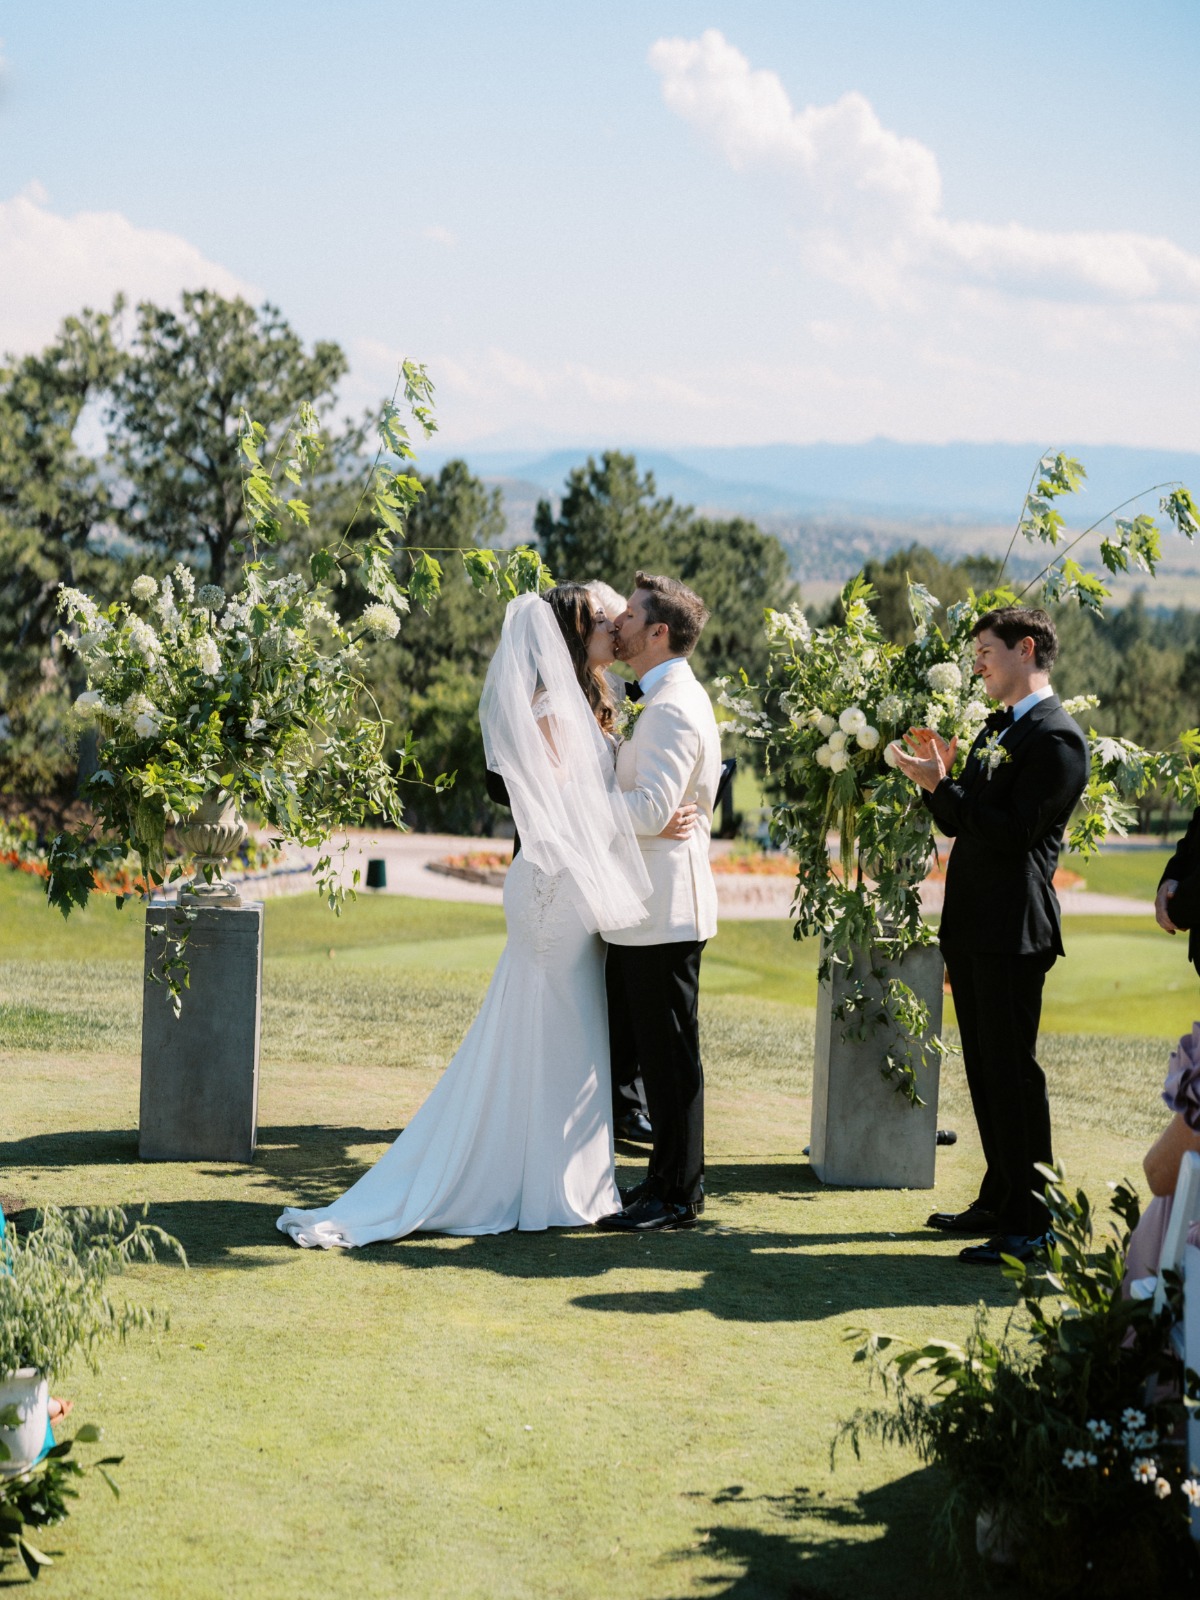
(1133, 1419)
(1099, 1429)
(1162, 1488)
(1190, 1490)
(1144, 1470)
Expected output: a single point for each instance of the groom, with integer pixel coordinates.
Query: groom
(671, 758)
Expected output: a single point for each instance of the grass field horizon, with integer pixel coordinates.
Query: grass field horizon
(570, 1414)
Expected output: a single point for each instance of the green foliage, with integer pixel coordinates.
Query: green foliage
(1045, 1432)
(40, 1496)
(54, 1286)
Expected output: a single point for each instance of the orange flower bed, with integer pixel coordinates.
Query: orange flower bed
(480, 860)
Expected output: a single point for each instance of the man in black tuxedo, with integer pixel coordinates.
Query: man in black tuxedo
(1001, 931)
(1177, 904)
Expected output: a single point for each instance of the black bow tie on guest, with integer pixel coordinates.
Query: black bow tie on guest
(633, 691)
(999, 720)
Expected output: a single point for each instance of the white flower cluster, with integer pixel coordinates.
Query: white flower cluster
(791, 624)
(976, 711)
(208, 656)
(186, 580)
(381, 620)
(144, 588)
(91, 704)
(1079, 1458)
(140, 711)
(144, 640)
(1078, 704)
(210, 597)
(165, 606)
(76, 605)
(891, 708)
(944, 677)
(1099, 1429)
(851, 725)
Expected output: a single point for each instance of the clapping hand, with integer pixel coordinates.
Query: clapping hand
(928, 757)
(1162, 901)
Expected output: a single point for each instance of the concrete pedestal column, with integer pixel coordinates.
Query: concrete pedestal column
(865, 1135)
(200, 1069)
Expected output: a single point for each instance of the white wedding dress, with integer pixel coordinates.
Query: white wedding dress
(518, 1131)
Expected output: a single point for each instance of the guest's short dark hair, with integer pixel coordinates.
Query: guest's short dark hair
(672, 602)
(1011, 624)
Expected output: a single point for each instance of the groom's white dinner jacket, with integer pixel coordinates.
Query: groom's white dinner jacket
(672, 758)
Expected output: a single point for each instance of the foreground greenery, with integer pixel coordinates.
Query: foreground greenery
(574, 1414)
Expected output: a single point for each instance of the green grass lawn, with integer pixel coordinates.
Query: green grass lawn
(573, 1414)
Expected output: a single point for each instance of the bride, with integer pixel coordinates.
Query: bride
(518, 1131)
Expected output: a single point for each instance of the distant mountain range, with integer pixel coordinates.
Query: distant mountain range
(973, 482)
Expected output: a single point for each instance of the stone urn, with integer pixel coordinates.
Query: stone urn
(214, 832)
(27, 1390)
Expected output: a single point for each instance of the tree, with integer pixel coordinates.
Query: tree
(174, 412)
(950, 581)
(54, 529)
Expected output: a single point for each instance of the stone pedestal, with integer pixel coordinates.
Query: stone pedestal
(866, 1135)
(200, 1069)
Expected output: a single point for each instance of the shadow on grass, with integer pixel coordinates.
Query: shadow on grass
(828, 1548)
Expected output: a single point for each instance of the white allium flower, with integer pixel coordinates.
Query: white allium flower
(1190, 1490)
(891, 708)
(210, 596)
(944, 677)
(144, 588)
(825, 724)
(839, 760)
(868, 737)
(852, 719)
(381, 620)
(889, 755)
(1099, 1429)
(1144, 1470)
(1162, 1488)
(209, 656)
(837, 740)
(823, 756)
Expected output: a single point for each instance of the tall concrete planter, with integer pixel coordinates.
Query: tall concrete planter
(27, 1390)
(199, 1098)
(864, 1134)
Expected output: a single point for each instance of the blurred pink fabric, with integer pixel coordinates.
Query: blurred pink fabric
(1181, 1092)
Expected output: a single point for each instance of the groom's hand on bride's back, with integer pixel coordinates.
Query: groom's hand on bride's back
(681, 823)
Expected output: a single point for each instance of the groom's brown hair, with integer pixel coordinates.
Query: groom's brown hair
(672, 602)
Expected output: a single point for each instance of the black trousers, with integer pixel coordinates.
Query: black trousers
(653, 1000)
(998, 1001)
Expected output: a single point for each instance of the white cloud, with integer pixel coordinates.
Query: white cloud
(869, 201)
(52, 266)
(437, 234)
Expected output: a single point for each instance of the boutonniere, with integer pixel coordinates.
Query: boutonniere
(627, 714)
(992, 753)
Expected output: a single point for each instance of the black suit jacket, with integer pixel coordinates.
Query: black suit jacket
(1007, 827)
(1184, 905)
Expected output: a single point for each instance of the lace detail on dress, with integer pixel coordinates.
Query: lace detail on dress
(543, 706)
(542, 913)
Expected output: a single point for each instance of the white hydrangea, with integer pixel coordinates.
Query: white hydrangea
(839, 761)
(823, 756)
(90, 703)
(210, 596)
(76, 604)
(852, 719)
(976, 711)
(891, 708)
(144, 640)
(144, 588)
(146, 726)
(944, 677)
(209, 656)
(381, 620)
(165, 604)
(837, 740)
(825, 724)
(890, 758)
(868, 737)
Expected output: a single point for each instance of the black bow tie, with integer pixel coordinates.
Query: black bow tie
(999, 720)
(633, 691)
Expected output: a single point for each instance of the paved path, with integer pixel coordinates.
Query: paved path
(742, 897)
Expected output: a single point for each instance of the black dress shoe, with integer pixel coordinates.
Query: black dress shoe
(973, 1220)
(651, 1215)
(992, 1254)
(634, 1128)
(635, 1192)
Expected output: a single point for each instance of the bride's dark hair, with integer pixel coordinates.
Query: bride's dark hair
(575, 613)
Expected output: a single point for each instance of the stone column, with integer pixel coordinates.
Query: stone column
(866, 1135)
(200, 1069)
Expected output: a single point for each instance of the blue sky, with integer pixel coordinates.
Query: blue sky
(622, 222)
